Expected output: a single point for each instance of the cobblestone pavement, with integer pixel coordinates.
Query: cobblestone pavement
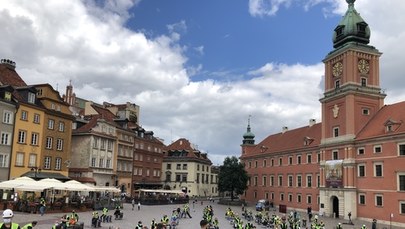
(147, 213)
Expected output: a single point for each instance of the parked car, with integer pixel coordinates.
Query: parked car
(262, 205)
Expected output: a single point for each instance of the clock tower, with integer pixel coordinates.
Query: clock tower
(351, 98)
(352, 82)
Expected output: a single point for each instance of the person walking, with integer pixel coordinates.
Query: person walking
(133, 203)
(42, 207)
(204, 224)
(30, 225)
(7, 220)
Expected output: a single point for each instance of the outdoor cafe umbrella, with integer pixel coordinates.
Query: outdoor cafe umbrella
(19, 181)
(74, 185)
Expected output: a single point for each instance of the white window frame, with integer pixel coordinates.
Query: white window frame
(8, 117)
(358, 170)
(49, 142)
(290, 181)
(382, 200)
(32, 160)
(309, 178)
(376, 147)
(335, 132)
(402, 202)
(24, 115)
(361, 149)
(61, 127)
(31, 97)
(34, 138)
(22, 136)
(399, 181)
(93, 162)
(58, 163)
(5, 138)
(375, 169)
(37, 118)
(19, 159)
(47, 162)
(299, 181)
(51, 124)
(3, 160)
(59, 144)
(365, 199)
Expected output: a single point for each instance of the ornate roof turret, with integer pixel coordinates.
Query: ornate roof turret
(249, 137)
(352, 28)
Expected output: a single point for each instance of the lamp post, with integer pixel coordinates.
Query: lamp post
(35, 170)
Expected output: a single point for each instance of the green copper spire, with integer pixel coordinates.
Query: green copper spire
(249, 137)
(352, 28)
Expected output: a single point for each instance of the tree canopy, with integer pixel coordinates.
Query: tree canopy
(232, 177)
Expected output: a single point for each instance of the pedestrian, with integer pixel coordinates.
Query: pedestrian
(204, 224)
(139, 226)
(42, 208)
(139, 205)
(30, 225)
(133, 203)
(7, 220)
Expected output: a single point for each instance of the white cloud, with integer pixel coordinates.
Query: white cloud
(55, 41)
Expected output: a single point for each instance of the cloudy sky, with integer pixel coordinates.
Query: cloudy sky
(198, 69)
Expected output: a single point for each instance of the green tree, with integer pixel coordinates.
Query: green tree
(232, 177)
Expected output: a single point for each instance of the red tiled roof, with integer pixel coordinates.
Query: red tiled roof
(376, 127)
(104, 113)
(9, 76)
(291, 140)
(183, 144)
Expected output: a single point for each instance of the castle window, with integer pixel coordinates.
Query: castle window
(365, 111)
(378, 200)
(361, 170)
(363, 82)
(309, 158)
(290, 160)
(360, 151)
(335, 132)
(362, 199)
(377, 149)
(299, 159)
(401, 149)
(337, 84)
(335, 155)
(378, 170)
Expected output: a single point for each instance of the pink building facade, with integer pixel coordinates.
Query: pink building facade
(354, 160)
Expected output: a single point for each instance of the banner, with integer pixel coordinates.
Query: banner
(334, 176)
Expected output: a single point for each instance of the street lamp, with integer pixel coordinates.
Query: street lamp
(35, 170)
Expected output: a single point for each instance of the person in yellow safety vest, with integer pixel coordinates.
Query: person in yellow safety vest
(216, 223)
(165, 220)
(7, 220)
(30, 225)
(73, 218)
(339, 226)
(104, 214)
(363, 227)
(42, 207)
(153, 224)
(94, 218)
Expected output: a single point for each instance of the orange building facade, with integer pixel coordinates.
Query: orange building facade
(353, 161)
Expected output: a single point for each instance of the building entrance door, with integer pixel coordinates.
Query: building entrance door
(335, 206)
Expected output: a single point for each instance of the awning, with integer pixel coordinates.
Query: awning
(42, 175)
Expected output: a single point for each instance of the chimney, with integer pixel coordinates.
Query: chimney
(284, 129)
(312, 122)
(9, 63)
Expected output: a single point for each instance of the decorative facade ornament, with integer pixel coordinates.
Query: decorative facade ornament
(335, 111)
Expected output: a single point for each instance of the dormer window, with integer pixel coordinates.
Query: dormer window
(31, 97)
(7, 96)
(391, 125)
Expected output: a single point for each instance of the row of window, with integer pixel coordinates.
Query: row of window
(149, 148)
(185, 167)
(22, 138)
(102, 143)
(292, 181)
(335, 156)
(102, 163)
(139, 172)
(32, 161)
(139, 157)
(363, 82)
(290, 161)
(378, 169)
(290, 197)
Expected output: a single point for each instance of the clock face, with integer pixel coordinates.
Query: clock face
(337, 69)
(364, 66)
